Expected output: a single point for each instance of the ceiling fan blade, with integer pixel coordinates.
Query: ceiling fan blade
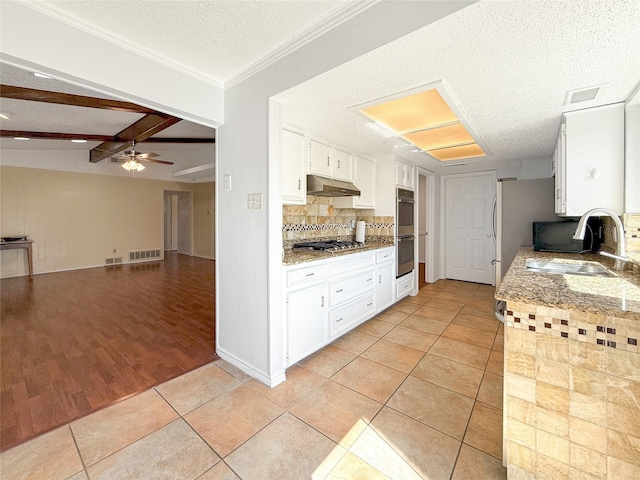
(146, 155)
(164, 162)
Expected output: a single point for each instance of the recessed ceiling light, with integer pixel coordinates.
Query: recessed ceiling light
(21, 138)
(429, 119)
(79, 140)
(41, 75)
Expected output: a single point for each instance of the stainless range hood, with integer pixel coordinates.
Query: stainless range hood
(328, 187)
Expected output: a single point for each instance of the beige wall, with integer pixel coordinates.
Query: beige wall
(203, 220)
(76, 220)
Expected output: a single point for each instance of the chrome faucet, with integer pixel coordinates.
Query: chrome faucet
(621, 254)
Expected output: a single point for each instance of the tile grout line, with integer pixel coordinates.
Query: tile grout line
(75, 442)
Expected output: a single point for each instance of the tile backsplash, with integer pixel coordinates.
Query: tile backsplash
(631, 222)
(319, 219)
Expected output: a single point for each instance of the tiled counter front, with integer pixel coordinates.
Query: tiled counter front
(572, 395)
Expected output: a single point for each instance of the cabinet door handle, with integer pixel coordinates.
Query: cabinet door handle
(339, 320)
(369, 279)
(310, 274)
(338, 291)
(379, 278)
(299, 184)
(369, 304)
(322, 301)
(338, 164)
(327, 161)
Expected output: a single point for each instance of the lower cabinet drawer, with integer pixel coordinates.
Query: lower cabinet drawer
(350, 287)
(344, 317)
(404, 286)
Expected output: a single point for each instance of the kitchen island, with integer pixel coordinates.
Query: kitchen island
(572, 371)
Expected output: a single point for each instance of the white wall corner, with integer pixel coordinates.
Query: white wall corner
(536, 168)
(270, 380)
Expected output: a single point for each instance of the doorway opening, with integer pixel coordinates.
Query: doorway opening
(426, 200)
(177, 222)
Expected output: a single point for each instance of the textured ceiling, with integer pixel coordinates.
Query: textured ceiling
(217, 39)
(508, 64)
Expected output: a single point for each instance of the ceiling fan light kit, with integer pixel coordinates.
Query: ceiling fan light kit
(132, 166)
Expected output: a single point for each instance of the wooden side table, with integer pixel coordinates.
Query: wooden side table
(21, 244)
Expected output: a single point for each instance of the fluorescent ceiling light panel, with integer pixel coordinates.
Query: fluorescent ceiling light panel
(428, 118)
(440, 137)
(458, 153)
(416, 112)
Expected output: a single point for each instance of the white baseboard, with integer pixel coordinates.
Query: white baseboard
(277, 379)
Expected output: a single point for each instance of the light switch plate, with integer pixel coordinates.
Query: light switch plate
(227, 182)
(255, 201)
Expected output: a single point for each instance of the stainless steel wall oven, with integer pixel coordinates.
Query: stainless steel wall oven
(405, 239)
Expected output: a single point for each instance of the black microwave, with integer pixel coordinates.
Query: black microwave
(558, 236)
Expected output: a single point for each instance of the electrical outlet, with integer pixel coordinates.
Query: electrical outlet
(255, 201)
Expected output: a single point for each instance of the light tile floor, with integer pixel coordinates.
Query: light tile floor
(414, 393)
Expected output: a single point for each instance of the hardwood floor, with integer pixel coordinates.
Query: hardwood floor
(74, 342)
(421, 281)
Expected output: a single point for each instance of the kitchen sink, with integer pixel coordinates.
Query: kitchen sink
(590, 269)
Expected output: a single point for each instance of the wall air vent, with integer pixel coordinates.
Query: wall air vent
(583, 94)
(144, 255)
(112, 261)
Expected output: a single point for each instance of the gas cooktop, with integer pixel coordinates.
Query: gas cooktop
(329, 246)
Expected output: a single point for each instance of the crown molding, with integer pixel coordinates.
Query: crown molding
(96, 31)
(341, 15)
(336, 18)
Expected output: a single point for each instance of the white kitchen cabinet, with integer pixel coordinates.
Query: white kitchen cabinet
(350, 314)
(405, 173)
(307, 328)
(320, 159)
(404, 286)
(364, 177)
(589, 160)
(346, 288)
(342, 165)
(330, 162)
(326, 298)
(293, 167)
(384, 280)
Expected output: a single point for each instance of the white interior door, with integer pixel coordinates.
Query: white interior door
(469, 242)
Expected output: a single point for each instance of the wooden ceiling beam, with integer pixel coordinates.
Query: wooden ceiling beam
(97, 138)
(55, 135)
(144, 128)
(33, 95)
(179, 140)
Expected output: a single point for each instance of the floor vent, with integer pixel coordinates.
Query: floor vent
(144, 255)
(113, 261)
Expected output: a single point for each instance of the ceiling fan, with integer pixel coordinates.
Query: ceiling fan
(131, 159)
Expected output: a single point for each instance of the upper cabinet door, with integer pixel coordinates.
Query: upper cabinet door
(320, 159)
(343, 166)
(404, 175)
(364, 177)
(590, 167)
(294, 179)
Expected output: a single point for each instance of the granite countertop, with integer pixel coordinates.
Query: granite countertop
(616, 296)
(295, 257)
